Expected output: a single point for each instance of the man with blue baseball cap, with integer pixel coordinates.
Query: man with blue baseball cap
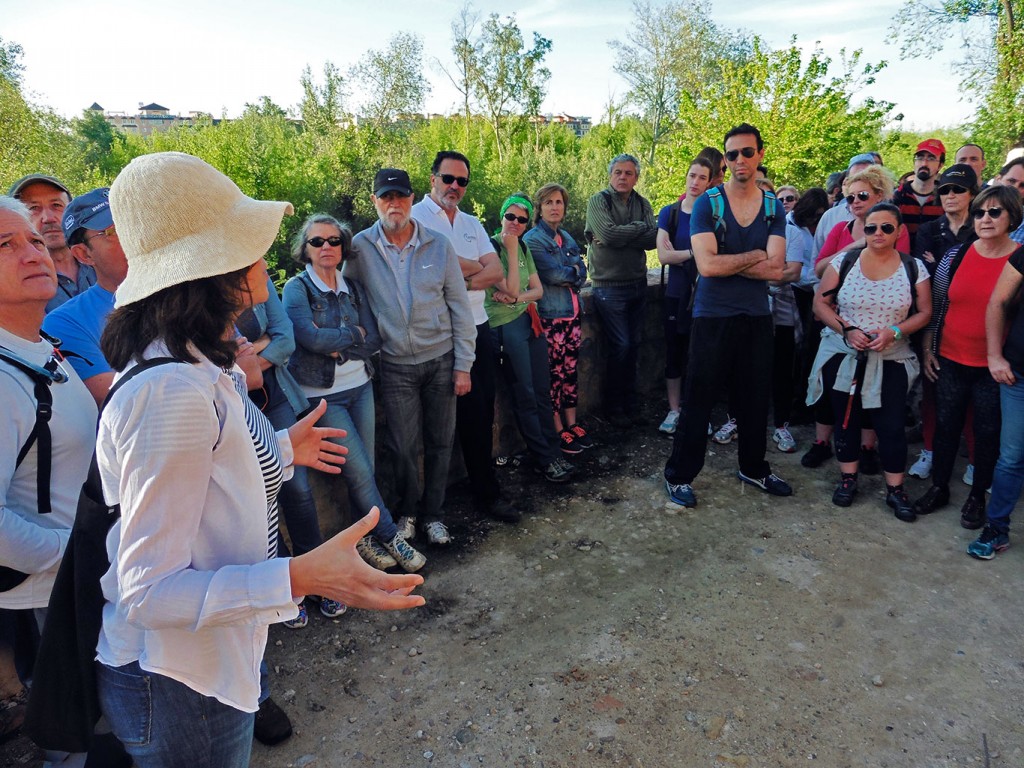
(91, 236)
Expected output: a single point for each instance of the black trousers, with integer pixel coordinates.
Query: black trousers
(474, 420)
(957, 387)
(734, 355)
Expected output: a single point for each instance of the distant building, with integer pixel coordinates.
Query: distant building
(149, 119)
(578, 125)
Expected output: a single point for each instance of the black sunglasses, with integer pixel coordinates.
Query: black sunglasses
(747, 152)
(955, 189)
(448, 178)
(870, 229)
(858, 196)
(513, 217)
(788, 198)
(318, 242)
(993, 213)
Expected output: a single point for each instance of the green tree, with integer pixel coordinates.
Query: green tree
(465, 50)
(672, 51)
(392, 80)
(96, 140)
(10, 62)
(323, 106)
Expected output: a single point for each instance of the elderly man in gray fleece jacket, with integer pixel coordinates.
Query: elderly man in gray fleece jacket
(415, 289)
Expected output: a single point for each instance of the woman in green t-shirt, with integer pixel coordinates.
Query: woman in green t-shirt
(515, 325)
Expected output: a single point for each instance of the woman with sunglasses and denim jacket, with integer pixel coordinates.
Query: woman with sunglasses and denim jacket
(519, 339)
(863, 191)
(865, 361)
(335, 336)
(956, 352)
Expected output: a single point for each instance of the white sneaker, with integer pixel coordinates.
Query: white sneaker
(437, 533)
(668, 426)
(923, 466)
(969, 475)
(407, 527)
(726, 433)
(407, 557)
(373, 553)
(784, 440)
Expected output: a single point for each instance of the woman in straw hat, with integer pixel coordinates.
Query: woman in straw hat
(196, 468)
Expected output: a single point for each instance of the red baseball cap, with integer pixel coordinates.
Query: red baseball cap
(934, 146)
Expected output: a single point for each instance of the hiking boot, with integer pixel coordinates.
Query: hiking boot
(583, 438)
(869, 463)
(299, 621)
(934, 498)
(332, 609)
(556, 472)
(819, 452)
(407, 527)
(988, 544)
(568, 443)
(502, 510)
(272, 725)
(922, 468)
(682, 494)
(900, 503)
(783, 439)
(972, 513)
(772, 484)
(845, 491)
(668, 426)
(407, 557)
(437, 533)
(726, 433)
(373, 553)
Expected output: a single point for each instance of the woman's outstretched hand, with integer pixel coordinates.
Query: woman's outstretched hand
(311, 446)
(335, 570)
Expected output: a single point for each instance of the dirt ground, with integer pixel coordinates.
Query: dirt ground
(612, 628)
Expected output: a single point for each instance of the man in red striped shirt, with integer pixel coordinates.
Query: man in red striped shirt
(917, 199)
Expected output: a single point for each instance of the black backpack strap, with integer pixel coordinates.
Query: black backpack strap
(849, 259)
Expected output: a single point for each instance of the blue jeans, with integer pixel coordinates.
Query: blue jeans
(352, 410)
(621, 309)
(1008, 480)
(419, 402)
(524, 364)
(165, 724)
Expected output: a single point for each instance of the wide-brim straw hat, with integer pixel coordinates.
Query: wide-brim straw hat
(180, 219)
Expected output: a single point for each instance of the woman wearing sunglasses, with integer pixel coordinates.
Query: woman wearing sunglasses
(956, 354)
(787, 195)
(865, 362)
(863, 191)
(519, 339)
(335, 336)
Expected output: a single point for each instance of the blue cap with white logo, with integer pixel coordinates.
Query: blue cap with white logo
(88, 211)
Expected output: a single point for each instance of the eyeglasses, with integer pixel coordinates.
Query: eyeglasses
(925, 156)
(993, 213)
(513, 217)
(862, 196)
(870, 229)
(448, 178)
(954, 189)
(110, 231)
(318, 242)
(788, 198)
(747, 152)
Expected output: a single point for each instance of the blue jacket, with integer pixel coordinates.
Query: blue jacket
(326, 322)
(561, 270)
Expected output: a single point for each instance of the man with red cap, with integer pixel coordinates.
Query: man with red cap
(916, 198)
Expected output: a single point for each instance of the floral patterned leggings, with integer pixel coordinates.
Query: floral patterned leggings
(563, 335)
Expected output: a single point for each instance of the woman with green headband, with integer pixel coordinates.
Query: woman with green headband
(515, 324)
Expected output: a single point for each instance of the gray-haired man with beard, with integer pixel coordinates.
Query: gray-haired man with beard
(415, 288)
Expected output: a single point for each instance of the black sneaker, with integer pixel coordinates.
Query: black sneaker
(272, 725)
(845, 491)
(569, 444)
(972, 514)
(934, 498)
(869, 464)
(583, 438)
(772, 484)
(900, 503)
(816, 455)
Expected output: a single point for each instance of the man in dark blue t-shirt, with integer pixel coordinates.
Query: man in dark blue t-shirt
(737, 252)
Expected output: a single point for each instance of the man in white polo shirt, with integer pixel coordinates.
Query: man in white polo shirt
(439, 211)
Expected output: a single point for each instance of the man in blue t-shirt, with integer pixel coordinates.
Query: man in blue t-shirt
(79, 323)
(738, 249)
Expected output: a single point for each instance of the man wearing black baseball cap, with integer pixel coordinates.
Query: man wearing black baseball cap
(46, 198)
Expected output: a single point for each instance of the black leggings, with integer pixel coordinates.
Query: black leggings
(782, 373)
(958, 387)
(887, 420)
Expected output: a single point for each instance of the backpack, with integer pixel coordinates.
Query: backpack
(63, 707)
(850, 258)
(717, 199)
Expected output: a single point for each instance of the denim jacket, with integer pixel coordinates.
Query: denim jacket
(269, 318)
(561, 269)
(325, 322)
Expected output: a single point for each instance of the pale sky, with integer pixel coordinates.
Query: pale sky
(216, 55)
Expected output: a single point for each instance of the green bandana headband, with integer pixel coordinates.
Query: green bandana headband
(520, 201)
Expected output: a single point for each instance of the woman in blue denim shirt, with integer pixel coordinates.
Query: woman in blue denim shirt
(562, 273)
(335, 336)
